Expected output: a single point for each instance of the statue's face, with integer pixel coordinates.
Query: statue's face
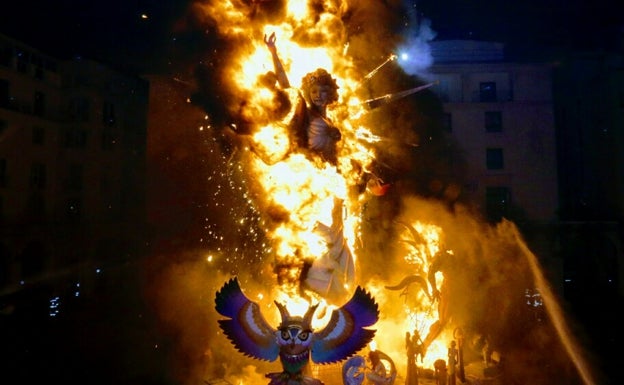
(319, 95)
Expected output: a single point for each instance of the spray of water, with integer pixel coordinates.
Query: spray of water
(556, 313)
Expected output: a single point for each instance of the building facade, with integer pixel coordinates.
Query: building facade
(543, 143)
(72, 168)
(502, 116)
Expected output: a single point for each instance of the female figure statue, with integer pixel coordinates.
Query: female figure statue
(313, 130)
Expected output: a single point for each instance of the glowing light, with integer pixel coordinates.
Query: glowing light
(54, 306)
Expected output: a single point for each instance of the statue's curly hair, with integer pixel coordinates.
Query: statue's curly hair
(320, 77)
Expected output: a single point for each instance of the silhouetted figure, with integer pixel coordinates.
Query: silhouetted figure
(458, 333)
(414, 348)
(411, 377)
(453, 356)
(487, 352)
(440, 371)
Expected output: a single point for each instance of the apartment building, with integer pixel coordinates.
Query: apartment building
(501, 115)
(543, 144)
(72, 168)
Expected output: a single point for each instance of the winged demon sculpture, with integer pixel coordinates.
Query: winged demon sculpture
(294, 341)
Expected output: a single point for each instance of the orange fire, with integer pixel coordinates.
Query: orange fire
(301, 192)
(304, 190)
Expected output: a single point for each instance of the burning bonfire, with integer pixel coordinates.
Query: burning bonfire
(328, 130)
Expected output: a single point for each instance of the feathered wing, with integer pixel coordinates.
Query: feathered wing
(247, 328)
(345, 334)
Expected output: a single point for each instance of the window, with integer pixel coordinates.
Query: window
(37, 62)
(108, 140)
(39, 74)
(494, 158)
(105, 183)
(51, 65)
(4, 93)
(38, 135)
(36, 205)
(38, 176)
(493, 121)
(487, 91)
(443, 89)
(3, 172)
(79, 109)
(23, 58)
(39, 109)
(447, 122)
(75, 138)
(108, 114)
(497, 202)
(74, 208)
(75, 177)
(6, 55)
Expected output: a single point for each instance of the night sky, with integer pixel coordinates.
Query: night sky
(125, 34)
(116, 32)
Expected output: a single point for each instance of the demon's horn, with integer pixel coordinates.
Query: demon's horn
(283, 311)
(307, 318)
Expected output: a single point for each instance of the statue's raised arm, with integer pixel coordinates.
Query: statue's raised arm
(279, 68)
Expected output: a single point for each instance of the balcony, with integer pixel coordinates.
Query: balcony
(476, 97)
(499, 96)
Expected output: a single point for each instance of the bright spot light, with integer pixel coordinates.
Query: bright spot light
(404, 56)
(144, 16)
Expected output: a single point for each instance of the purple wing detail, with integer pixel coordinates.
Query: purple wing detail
(345, 334)
(247, 329)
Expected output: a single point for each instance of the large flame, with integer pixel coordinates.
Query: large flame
(296, 196)
(301, 191)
